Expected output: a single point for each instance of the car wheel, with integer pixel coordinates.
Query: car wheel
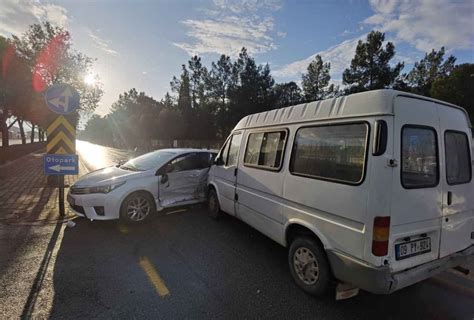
(213, 205)
(137, 207)
(309, 266)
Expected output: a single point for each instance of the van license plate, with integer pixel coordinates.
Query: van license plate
(412, 248)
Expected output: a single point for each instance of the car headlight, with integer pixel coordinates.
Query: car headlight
(98, 189)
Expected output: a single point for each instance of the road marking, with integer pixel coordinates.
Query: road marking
(154, 277)
(123, 229)
(176, 211)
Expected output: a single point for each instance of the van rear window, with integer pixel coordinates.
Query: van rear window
(458, 160)
(331, 152)
(419, 157)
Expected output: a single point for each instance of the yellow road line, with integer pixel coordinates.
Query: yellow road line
(176, 211)
(123, 229)
(154, 277)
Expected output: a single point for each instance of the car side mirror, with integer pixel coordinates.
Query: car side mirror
(120, 163)
(164, 179)
(219, 162)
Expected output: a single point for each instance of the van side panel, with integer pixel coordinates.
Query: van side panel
(380, 194)
(260, 197)
(458, 212)
(336, 210)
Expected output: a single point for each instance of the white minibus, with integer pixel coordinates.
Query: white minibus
(372, 189)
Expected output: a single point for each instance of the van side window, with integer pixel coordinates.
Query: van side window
(419, 163)
(331, 152)
(265, 149)
(222, 155)
(234, 149)
(458, 160)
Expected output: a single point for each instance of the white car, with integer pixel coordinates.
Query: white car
(146, 184)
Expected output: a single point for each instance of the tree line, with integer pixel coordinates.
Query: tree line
(206, 102)
(30, 63)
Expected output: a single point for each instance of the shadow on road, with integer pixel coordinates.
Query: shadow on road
(38, 282)
(212, 269)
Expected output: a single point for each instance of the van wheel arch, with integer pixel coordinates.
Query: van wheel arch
(297, 230)
(299, 236)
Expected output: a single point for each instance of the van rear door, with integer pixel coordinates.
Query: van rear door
(458, 188)
(416, 190)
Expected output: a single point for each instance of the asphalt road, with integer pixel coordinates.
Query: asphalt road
(183, 264)
(96, 156)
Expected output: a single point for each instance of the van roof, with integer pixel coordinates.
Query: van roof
(369, 103)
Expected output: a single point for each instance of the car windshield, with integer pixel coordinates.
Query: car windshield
(148, 161)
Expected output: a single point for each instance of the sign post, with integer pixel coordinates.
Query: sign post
(60, 158)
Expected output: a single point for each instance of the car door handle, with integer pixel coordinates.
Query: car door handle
(450, 198)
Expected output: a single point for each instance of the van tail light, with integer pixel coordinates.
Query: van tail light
(380, 236)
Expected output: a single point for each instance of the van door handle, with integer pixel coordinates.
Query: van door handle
(450, 198)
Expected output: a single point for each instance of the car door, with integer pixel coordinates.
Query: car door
(458, 189)
(225, 172)
(185, 179)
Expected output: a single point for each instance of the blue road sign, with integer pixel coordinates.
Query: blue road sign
(62, 98)
(61, 164)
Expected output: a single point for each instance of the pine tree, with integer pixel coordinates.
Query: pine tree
(370, 68)
(429, 69)
(316, 81)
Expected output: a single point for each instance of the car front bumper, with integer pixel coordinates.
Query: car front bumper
(85, 205)
(380, 280)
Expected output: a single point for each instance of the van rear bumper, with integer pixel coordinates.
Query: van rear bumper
(380, 280)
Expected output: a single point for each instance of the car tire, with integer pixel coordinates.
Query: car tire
(309, 266)
(213, 208)
(137, 207)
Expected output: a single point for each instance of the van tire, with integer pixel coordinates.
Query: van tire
(213, 208)
(305, 253)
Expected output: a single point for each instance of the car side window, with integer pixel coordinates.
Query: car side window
(188, 162)
(204, 160)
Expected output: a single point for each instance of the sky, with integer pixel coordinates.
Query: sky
(143, 43)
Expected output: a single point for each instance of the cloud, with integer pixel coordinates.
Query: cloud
(16, 16)
(248, 5)
(102, 44)
(425, 24)
(231, 25)
(339, 56)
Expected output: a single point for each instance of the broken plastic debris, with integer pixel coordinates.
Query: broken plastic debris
(71, 224)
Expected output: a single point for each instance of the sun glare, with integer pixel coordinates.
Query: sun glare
(89, 79)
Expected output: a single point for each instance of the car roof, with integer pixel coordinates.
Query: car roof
(185, 150)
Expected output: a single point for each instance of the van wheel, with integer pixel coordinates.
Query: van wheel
(213, 205)
(136, 207)
(309, 266)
